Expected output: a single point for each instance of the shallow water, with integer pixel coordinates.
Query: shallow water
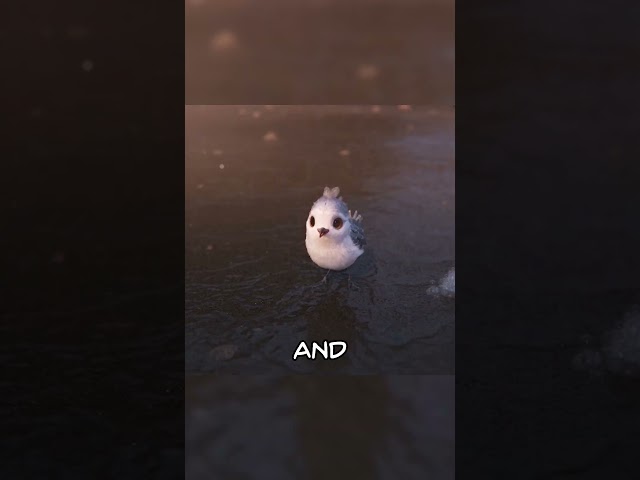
(252, 292)
(319, 427)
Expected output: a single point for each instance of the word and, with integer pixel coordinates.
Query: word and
(327, 350)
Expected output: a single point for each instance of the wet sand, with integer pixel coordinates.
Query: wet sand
(252, 292)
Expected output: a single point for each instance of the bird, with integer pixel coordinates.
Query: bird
(335, 237)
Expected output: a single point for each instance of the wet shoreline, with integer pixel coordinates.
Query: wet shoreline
(251, 289)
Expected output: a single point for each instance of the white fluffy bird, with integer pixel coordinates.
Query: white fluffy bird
(335, 238)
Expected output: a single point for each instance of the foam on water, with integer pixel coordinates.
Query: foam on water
(620, 351)
(622, 348)
(447, 286)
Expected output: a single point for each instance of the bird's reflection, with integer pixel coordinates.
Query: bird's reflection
(332, 320)
(319, 427)
(341, 424)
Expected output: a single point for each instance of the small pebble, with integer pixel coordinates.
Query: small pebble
(224, 352)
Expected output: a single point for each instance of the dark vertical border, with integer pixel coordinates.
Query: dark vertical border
(92, 329)
(547, 238)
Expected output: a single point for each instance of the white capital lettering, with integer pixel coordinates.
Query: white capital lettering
(302, 350)
(340, 344)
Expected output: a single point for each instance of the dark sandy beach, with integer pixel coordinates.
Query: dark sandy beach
(252, 292)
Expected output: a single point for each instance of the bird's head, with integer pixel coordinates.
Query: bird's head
(328, 220)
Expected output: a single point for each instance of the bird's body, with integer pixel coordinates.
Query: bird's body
(333, 256)
(335, 238)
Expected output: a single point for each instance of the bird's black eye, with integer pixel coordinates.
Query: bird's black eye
(337, 223)
(312, 221)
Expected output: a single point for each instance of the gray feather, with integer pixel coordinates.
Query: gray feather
(357, 235)
(355, 217)
(331, 192)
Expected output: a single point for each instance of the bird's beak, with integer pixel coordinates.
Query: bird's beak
(323, 231)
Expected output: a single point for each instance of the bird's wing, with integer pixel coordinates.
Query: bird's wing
(357, 235)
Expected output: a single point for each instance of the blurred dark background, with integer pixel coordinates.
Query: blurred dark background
(319, 51)
(546, 139)
(320, 427)
(547, 236)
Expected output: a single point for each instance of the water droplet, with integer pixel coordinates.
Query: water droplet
(367, 71)
(270, 137)
(224, 41)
